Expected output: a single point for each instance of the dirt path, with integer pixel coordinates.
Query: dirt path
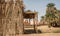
(46, 29)
(42, 34)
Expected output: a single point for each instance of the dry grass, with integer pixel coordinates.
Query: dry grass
(46, 29)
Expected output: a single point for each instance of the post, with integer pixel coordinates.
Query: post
(34, 24)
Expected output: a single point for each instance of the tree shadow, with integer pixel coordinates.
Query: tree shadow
(31, 31)
(58, 26)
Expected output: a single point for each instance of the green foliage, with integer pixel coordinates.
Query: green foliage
(42, 16)
(50, 5)
(28, 10)
(51, 14)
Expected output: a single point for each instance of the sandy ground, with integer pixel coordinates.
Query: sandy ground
(46, 29)
(42, 34)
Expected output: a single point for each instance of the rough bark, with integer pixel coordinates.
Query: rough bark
(12, 21)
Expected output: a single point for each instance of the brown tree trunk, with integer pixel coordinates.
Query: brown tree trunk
(13, 19)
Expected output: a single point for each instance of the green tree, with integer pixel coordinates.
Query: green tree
(51, 12)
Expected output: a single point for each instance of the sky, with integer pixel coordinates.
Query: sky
(40, 6)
